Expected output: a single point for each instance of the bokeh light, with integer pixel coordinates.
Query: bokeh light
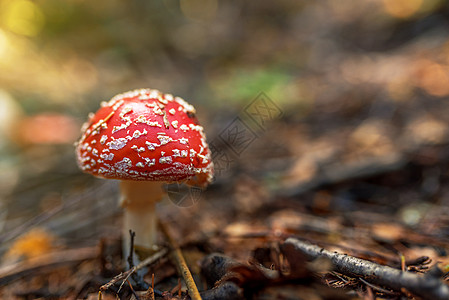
(4, 44)
(402, 8)
(22, 17)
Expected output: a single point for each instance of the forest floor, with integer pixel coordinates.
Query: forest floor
(249, 235)
(329, 130)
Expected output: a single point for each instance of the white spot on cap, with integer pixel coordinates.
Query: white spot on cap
(172, 111)
(109, 156)
(123, 126)
(179, 153)
(165, 160)
(175, 124)
(116, 105)
(154, 93)
(124, 164)
(196, 127)
(186, 107)
(204, 158)
(103, 139)
(117, 144)
(162, 100)
(142, 119)
(167, 125)
(141, 149)
(184, 127)
(164, 139)
(124, 111)
(183, 141)
(151, 146)
(157, 110)
(103, 170)
(150, 161)
(138, 134)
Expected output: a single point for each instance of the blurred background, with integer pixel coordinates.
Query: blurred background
(359, 88)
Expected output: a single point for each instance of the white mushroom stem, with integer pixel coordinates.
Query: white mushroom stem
(139, 198)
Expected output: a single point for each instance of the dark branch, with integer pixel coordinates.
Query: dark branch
(132, 235)
(426, 286)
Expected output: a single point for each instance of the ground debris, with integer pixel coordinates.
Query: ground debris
(328, 123)
(429, 285)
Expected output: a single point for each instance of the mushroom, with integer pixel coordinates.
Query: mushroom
(144, 138)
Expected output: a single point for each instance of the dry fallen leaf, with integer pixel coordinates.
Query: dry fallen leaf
(34, 243)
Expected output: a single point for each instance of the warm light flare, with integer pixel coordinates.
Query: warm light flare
(4, 44)
(402, 8)
(22, 17)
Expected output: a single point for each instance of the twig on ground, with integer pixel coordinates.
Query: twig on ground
(145, 263)
(123, 282)
(132, 290)
(182, 265)
(11, 272)
(377, 288)
(426, 286)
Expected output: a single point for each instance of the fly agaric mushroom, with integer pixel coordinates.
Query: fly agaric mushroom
(144, 138)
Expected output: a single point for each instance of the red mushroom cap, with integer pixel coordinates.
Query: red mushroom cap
(145, 135)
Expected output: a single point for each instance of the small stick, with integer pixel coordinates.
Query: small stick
(182, 265)
(132, 290)
(378, 288)
(177, 288)
(125, 275)
(132, 235)
(123, 282)
(425, 286)
(134, 275)
(403, 266)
